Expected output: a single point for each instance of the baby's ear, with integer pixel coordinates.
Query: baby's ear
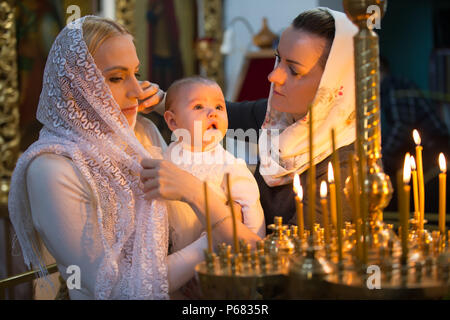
(169, 116)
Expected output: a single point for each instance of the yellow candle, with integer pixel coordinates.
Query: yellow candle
(356, 208)
(312, 177)
(298, 189)
(233, 216)
(417, 140)
(415, 187)
(405, 206)
(208, 220)
(442, 192)
(337, 173)
(332, 195)
(324, 203)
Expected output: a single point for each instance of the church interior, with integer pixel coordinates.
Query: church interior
(234, 42)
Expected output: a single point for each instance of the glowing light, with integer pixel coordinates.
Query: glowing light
(416, 137)
(407, 169)
(298, 189)
(442, 163)
(323, 189)
(330, 173)
(413, 163)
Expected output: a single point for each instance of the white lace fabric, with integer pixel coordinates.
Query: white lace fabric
(83, 122)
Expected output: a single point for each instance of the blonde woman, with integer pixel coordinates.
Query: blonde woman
(77, 189)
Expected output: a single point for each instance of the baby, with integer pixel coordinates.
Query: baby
(197, 115)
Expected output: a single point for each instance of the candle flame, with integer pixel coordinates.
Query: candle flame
(330, 173)
(413, 163)
(296, 182)
(416, 137)
(407, 169)
(442, 163)
(298, 187)
(323, 189)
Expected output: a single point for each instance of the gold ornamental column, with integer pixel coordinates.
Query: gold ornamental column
(377, 190)
(125, 14)
(208, 51)
(9, 97)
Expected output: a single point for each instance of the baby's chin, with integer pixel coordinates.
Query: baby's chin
(212, 136)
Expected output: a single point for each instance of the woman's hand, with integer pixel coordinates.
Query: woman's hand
(151, 97)
(163, 179)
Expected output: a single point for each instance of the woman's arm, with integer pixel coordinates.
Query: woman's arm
(64, 214)
(247, 114)
(163, 179)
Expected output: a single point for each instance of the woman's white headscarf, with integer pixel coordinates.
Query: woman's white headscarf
(283, 154)
(82, 121)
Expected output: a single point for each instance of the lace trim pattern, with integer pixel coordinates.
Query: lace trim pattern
(82, 121)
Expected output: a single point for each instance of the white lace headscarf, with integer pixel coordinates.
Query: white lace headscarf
(82, 121)
(333, 107)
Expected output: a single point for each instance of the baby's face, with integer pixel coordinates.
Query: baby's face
(205, 105)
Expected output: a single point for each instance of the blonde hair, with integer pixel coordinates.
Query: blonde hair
(96, 30)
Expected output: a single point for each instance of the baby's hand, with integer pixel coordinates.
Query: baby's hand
(150, 97)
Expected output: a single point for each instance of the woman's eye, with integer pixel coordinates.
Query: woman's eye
(137, 75)
(115, 79)
(293, 72)
(198, 107)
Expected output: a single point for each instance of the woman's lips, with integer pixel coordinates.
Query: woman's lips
(277, 93)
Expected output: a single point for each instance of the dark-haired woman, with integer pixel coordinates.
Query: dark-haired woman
(314, 65)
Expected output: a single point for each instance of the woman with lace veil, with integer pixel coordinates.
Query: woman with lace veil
(314, 66)
(77, 192)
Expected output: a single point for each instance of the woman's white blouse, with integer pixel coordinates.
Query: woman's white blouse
(62, 207)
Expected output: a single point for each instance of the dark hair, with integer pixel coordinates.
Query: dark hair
(318, 22)
(177, 85)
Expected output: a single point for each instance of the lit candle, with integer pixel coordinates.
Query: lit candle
(337, 176)
(233, 216)
(312, 177)
(298, 189)
(417, 140)
(415, 188)
(332, 195)
(442, 194)
(405, 206)
(324, 203)
(208, 220)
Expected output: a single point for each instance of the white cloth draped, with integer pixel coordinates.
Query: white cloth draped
(211, 166)
(333, 105)
(82, 121)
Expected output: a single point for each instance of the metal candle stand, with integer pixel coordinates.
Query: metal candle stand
(286, 265)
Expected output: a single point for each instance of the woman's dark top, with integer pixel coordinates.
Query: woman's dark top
(279, 200)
